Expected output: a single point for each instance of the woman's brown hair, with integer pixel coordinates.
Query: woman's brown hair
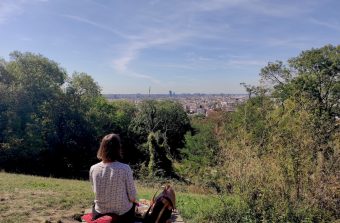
(110, 148)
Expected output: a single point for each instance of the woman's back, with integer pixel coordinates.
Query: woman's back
(113, 187)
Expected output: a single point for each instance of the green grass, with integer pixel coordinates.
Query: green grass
(39, 199)
(26, 198)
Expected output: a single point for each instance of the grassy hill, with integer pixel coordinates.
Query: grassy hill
(26, 198)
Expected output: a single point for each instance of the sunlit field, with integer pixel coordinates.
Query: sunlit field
(26, 198)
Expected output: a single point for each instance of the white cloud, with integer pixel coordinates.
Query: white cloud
(330, 25)
(173, 65)
(26, 39)
(99, 25)
(247, 62)
(139, 76)
(264, 7)
(187, 29)
(213, 5)
(120, 64)
(149, 39)
(296, 42)
(10, 8)
(161, 25)
(133, 45)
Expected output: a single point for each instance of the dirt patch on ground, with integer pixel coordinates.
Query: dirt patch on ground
(37, 206)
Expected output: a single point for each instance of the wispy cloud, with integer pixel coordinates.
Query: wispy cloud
(221, 63)
(132, 45)
(10, 8)
(331, 25)
(26, 39)
(140, 76)
(297, 42)
(100, 26)
(264, 7)
(178, 25)
(149, 39)
(214, 5)
(120, 64)
(173, 65)
(246, 62)
(190, 29)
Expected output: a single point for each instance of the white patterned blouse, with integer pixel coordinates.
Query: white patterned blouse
(113, 186)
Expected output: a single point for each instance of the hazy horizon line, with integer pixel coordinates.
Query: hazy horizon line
(172, 92)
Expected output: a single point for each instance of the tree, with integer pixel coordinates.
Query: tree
(29, 81)
(167, 117)
(36, 76)
(201, 150)
(312, 79)
(116, 116)
(83, 85)
(5, 91)
(44, 119)
(159, 164)
(36, 80)
(314, 74)
(319, 78)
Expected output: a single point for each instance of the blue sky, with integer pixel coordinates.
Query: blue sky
(187, 46)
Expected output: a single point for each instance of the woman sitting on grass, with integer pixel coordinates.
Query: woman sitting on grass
(112, 182)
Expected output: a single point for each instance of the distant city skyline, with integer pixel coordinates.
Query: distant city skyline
(194, 46)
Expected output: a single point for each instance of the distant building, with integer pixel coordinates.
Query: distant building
(201, 111)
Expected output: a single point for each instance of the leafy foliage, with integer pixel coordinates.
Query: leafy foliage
(279, 149)
(51, 124)
(166, 117)
(279, 152)
(200, 151)
(159, 164)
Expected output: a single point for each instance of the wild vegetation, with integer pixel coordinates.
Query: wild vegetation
(52, 123)
(280, 150)
(275, 159)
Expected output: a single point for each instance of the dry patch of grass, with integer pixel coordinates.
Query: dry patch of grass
(38, 199)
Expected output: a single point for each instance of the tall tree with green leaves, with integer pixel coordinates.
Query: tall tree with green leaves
(201, 150)
(159, 164)
(166, 117)
(314, 74)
